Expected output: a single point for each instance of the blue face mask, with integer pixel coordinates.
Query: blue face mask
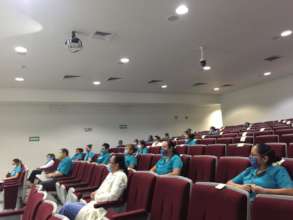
(103, 151)
(163, 152)
(253, 162)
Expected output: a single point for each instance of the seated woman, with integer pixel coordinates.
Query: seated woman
(111, 189)
(50, 162)
(170, 163)
(190, 139)
(142, 148)
(130, 158)
(78, 155)
(262, 177)
(18, 168)
(105, 155)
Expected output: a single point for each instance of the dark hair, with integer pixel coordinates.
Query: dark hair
(142, 142)
(266, 150)
(80, 150)
(17, 161)
(65, 151)
(120, 141)
(121, 162)
(106, 146)
(171, 146)
(52, 156)
(90, 146)
(158, 137)
(191, 136)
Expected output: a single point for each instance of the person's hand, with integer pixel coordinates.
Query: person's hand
(49, 175)
(258, 189)
(93, 195)
(245, 187)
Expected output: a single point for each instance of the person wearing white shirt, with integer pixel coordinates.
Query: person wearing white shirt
(111, 189)
(157, 142)
(50, 162)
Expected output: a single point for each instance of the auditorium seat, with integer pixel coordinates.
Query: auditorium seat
(247, 140)
(206, 141)
(224, 140)
(262, 139)
(232, 135)
(117, 150)
(181, 149)
(229, 167)
(144, 162)
(45, 210)
(179, 142)
(262, 133)
(186, 164)
(272, 207)
(155, 150)
(217, 150)
(284, 131)
(76, 171)
(240, 150)
(279, 148)
(197, 149)
(155, 159)
(288, 164)
(286, 138)
(209, 203)
(290, 150)
(202, 168)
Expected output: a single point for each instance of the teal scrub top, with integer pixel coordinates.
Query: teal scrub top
(16, 171)
(65, 166)
(166, 165)
(141, 150)
(104, 158)
(191, 142)
(130, 160)
(89, 155)
(274, 177)
(77, 156)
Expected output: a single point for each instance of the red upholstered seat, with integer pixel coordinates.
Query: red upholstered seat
(181, 149)
(240, 150)
(261, 133)
(272, 207)
(186, 164)
(197, 149)
(207, 141)
(284, 131)
(290, 150)
(217, 150)
(45, 210)
(229, 167)
(286, 138)
(155, 159)
(279, 148)
(261, 139)
(288, 164)
(209, 203)
(144, 162)
(155, 150)
(247, 139)
(224, 140)
(202, 168)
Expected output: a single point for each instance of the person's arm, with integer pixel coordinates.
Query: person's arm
(55, 174)
(282, 191)
(153, 169)
(175, 172)
(47, 165)
(12, 177)
(237, 181)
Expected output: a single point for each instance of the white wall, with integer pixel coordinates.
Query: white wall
(62, 125)
(272, 100)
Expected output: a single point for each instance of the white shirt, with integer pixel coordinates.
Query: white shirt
(157, 144)
(48, 164)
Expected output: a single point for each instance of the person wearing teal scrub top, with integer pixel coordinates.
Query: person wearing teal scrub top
(78, 155)
(170, 163)
(191, 140)
(142, 148)
(89, 155)
(105, 155)
(16, 171)
(130, 159)
(262, 176)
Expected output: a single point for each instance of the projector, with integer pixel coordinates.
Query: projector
(74, 44)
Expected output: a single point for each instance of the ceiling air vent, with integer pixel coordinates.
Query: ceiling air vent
(113, 78)
(227, 85)
(70, 76)
(173, 18)
(199, 84)
(102, 35)
(154, 81)
(272, 58)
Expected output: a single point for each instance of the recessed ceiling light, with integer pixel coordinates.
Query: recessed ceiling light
(97, 83)
(124, 60)
(286, 33)
(207, 68)
(164, 86)
(20, 50)
(216, 89)
(19, 79)
(267, 74)
(182, 10)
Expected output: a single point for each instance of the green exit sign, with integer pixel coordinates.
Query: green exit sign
(34, 139)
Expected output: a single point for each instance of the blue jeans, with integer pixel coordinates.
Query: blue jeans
(71, 210)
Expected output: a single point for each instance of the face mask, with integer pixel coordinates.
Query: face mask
(253, 162)
(164, 152)
(103, 150)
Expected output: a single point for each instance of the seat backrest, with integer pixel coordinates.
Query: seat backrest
(45, 210)
(262, 139)
(229, 167)
(170, 200)
(202, 168)
(99, 173)
(186, 162)
(290, 150)
(197, 149)
(230, 135)
(288, 164)
(262, 133)
(239, 150)
(209, 203)
(224, 140)
(207, 141)
(155, 159)
(155, 150)
(217, 150)
(144, 162)
(34, 200)
(286, 138)
(284, 131)
(279, 148)
(271, 207)
(181, 149)
(140, 190)
(247, 139)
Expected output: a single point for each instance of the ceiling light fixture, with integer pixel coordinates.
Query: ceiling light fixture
(20, 50)
(267, 74)
(216, 89)
(124, 60)
(164, 86)
(19, 79)
(97, 83)
(286, 33)
(181, 10)
(206, 68)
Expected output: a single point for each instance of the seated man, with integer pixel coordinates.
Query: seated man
(111, 189)
(105, 155)
(89, 154)
(50, 162)
(78, 155)
(190, 140)
(262, 177)
(63, 169)
(170, 163)
(142, 148)
(130, 159)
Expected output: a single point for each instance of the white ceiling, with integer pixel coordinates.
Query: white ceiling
(238, 36)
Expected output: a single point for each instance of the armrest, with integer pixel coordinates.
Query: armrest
(108, 204)
(69, 181)
(85, 189)
(80, 184)
(131, 215)
(11, 213)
